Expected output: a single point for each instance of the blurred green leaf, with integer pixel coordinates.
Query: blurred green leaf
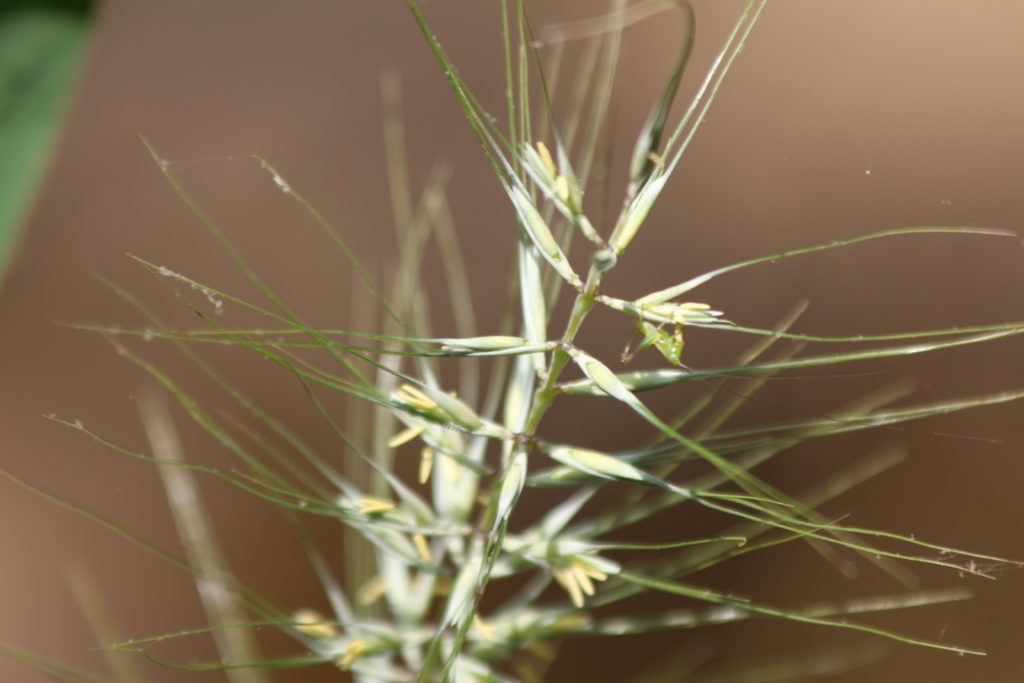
(41, 48)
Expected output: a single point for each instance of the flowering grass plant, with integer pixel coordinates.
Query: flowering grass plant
(447, 579)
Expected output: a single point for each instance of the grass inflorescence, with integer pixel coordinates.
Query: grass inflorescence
(443, 579)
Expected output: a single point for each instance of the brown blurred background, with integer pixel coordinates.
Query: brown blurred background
(840, 117)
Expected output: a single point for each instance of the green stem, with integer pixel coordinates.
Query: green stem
(543, 399)
(545, 396)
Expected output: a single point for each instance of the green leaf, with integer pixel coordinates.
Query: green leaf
(41, 49)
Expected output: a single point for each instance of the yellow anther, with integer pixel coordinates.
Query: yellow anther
(312, 623)
(372, 590)
(416, 398)
(567, 578)
(404, 436)
(545, 158)
(562, 189)
(580, 575)
(426, 463)
(577, 575)
(355, 650)
(420, 541)
(370, 506)
(679, 314)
